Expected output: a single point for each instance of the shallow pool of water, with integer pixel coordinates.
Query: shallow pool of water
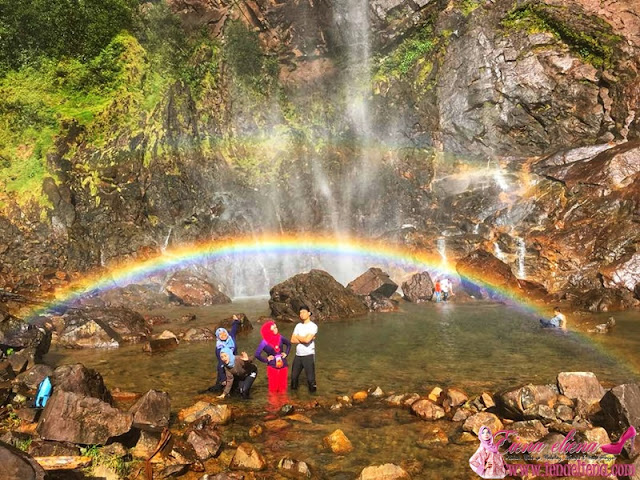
(475, 347)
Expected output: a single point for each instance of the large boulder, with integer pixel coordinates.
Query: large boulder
(373, 282)
(144, 297)
(190, 289)
(80, 380)
(327, 299)
(17, 465)
(103, 328)
(621, 407)
(69, 417)
(32, 377)
(483, 274)
(624, 273)
(419, 288)
(151, 412)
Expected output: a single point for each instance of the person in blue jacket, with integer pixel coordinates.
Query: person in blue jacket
(224, 339)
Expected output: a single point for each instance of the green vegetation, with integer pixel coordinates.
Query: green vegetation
(589, 37)
(408, 53)
(113, 462)
(35, 29)
(24, 444)
(468, 6)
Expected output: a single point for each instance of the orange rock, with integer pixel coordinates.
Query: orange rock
(338, 442)
(360, 396)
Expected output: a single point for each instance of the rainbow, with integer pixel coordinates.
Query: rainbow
(375, 252)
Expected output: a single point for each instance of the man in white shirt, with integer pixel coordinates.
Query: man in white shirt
(447, 288)
(304, 335)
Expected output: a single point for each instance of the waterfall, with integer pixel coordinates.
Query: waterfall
(522, 251)
(441, 245)
(165, 244)
(498, 252)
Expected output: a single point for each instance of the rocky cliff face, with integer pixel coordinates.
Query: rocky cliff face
(541, 91)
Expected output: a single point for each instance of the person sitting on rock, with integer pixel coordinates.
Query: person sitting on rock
(239, 370)
(559, 320)
(277, 349)
(224, 339)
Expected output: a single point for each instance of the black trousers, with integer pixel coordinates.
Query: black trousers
(308, 364)
(244, 385)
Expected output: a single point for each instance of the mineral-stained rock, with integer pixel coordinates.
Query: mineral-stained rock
(524, 401)
(338, 442)
(453, 397)
(189, 289)
(220, 414)
(373, 282)
(151, 412)
(529, 431)
(480, 264)
(580, 386)
(474, 422)
(32, 377)
(247, 458)
(17, 465)
(327, 299)
(206, 442)
(69, 417)
(388, 471)
(419, 288)
(621, 408)
(427, 410)
(81, 380)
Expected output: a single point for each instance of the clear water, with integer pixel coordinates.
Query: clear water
(475, 347)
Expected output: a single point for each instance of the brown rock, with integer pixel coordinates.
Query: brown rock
(453, 397)
(409, 399)
(192, 290)
(247, 458)
(17, 465)
(220, 414)
(255, 431)
(427, 410)
(275, 425)
(338, 442)
(487, 400)
(373, 282)
(152, 411)
(529, 431)
(206, 443)
(359, 397)
(474, 422)
(388, 471)
(81, 380)
(69, 417)
(436, 436)
(103, 328)
(298, 417)
(580, 385)
(621, 408)
(300, 469)
(419, 288)
(434, 395)
(461, 414)
(494, 272)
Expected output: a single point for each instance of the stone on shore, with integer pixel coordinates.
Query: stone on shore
(32, 377)
(247, 458)
(327, 299)
(103, 328)
(621, 408)
(524, 401)
(373, 282)
(427, 410)
(220, 414)
(338, 442)
(482, 419)
(17, 465)
(388, 471)
(529, 431)
(69, 417)
(419, 288)
(81, 380)
(582, 386)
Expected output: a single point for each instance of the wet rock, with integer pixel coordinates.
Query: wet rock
(482, 265)
(220, 414)
(436, 436)
(151, 412)
(621, 408)
(223, 476)
(580, 386)
(247, 458)
(435, 395)
(524, 401)
(164, 342)
(69, 417)
(623, 273)
(395, 400)
(388, 471)
(44, 448)
(378, 303)
(318, 290)
(529, 431)
(300, 469)
(6, 372)
(255, 431)
(201, 334)
(189, 289)
(145, 297)
(103, 328)
(32, 377)
(461, 414)
(206, 443)
(486, 419)
(338, 442)
(377, 393)
(298, 417)
(427, 410)
(419, 288)
(359, 397)
(452, 398)
(80, 380)
(275, 425)
(17, 465)
(410, 399)
(373, 282)
(244, 327)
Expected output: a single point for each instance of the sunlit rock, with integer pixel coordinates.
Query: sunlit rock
(580, 386)
(419, 288)
(388, 471)
(190, 289)
(247, 458)
(338, 442)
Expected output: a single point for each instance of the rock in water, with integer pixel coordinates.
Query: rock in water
(152, 411)
(388, 471)
(338, 442)
(103, 328)
(419, 288)
(327, 298)
(190, 289)
(480, 264)
(16, 465)
(247, 458)
(373, 282)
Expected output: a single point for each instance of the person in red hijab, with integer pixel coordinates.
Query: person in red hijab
(276, 347)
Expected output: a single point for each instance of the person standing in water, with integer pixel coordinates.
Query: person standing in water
(437, 291)
(303, 336)
(447, 288)
(559, 320)
(277, 349)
